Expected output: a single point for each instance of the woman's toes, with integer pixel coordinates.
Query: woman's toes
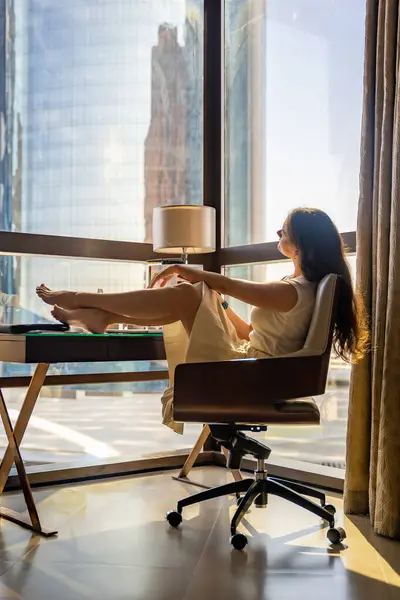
(42, 289)
(60, 313)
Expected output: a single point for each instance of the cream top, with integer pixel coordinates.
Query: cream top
(279, 333)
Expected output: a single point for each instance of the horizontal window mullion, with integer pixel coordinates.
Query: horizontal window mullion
(35, 244)
(73, 247)
(268, 252)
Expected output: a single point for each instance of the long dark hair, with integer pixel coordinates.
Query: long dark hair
(322, 252)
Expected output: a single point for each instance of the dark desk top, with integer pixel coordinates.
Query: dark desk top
(81, 347)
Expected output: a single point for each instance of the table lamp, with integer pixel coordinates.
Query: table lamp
(184, 229)
(181, 229)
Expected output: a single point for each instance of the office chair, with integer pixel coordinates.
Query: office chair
(247, 395)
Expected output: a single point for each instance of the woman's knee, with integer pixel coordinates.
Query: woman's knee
(189, 302)
(191, 295)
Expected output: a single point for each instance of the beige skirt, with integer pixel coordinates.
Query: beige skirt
(213, 338)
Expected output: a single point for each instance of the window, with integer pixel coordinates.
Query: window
(103, 96)
(293, 90)
(86, 424)
(293, 105)
(101, 120)
(127, 423)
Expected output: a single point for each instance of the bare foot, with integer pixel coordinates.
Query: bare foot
(91, 319)
(61, 298)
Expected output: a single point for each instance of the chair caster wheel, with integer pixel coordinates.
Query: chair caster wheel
(239, 541)
(174, 518)
(336, 535)
(330, 508)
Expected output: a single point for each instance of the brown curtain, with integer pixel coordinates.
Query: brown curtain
(373, 439)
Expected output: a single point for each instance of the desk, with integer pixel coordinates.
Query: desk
(44, 349)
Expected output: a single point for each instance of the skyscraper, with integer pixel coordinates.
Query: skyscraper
(8, 265)
(173, 146)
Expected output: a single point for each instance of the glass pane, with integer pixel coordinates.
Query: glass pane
(83, 423)
(19, 276)
(324, 444)
(102, 113)
(86, 424)
(294, 73)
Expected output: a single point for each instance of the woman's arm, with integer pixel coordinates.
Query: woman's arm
(243, 328)
(280, 296)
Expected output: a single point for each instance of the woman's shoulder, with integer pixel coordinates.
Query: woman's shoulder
(305, 289)
(299, 280)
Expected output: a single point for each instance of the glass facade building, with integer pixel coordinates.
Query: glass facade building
(103, 115)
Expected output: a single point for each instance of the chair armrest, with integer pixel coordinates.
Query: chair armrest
(245, 385)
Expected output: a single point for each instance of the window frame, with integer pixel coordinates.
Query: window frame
(16, 243)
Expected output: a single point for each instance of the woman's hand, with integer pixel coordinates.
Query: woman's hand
(182, 272)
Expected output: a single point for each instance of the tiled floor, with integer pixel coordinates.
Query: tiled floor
(114, 543)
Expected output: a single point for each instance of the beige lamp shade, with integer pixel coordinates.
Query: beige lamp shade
(184, 228)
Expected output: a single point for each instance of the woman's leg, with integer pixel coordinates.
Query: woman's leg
(113, 318)
(96, 320)
(151, 307)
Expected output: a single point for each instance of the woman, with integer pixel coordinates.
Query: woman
(198, 324)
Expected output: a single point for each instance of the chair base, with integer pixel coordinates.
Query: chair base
(257, 490)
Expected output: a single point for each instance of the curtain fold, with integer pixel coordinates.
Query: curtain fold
(373, 439)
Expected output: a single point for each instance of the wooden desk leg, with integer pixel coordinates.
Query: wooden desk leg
(33, 523)
(201, 440)
(23, 419)
(183, 475)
